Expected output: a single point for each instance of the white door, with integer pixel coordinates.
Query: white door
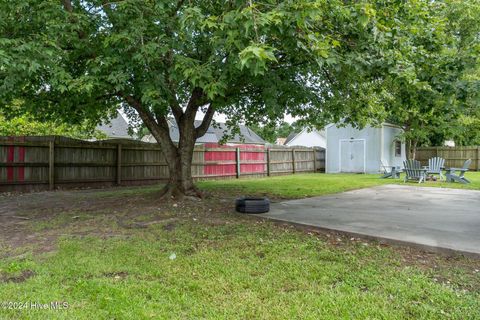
(352, 155)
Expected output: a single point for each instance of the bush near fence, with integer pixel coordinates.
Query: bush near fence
(454, 156)
(49, 162)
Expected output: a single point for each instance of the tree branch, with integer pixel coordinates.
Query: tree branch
(328, 76)
(67, 5)
(174, 104)
(179, 5)
(159, 128)
(207, 119)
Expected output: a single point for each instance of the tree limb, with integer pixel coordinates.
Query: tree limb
(179, 5)
(67, 5)
(207, 119)
(159, 130)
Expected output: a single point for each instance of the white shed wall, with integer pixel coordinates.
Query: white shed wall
(372, 138)
(392, 134)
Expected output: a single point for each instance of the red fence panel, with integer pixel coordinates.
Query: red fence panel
(248, 153)
(12, 157)
(250, 156)
(227, 169)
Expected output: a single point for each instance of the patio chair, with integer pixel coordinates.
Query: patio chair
(452, 175)
(414, 171)
(390, 171)
(435, 166)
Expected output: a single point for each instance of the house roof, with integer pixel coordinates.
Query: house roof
(293, 135)
(116, 128)
(290, 137)
(215, 134)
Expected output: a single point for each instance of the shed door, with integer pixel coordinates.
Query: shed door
(352, 155)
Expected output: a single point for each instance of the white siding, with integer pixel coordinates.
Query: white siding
(392, 134)
(308, 139)
(377, 148)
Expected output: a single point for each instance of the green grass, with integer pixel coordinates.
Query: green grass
(233, 271)
(231, 267)
(309, 185)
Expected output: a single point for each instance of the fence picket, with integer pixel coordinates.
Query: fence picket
(51, 162)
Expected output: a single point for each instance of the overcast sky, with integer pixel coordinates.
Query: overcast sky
(219, 117)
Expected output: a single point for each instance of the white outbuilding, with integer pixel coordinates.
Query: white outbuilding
(363, 151)
(307, 138)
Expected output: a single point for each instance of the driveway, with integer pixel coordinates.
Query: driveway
(431, 218)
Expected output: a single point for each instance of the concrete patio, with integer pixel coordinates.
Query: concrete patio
(435, 219)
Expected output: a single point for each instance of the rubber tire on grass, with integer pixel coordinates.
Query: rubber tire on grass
(252, 205)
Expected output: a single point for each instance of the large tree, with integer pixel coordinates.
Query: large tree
(78, 59)
(317, 60)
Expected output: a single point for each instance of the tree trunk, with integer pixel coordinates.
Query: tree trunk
(412, 148)
(178, 156)
(180, 181)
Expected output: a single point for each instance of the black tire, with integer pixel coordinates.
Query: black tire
(252, 205)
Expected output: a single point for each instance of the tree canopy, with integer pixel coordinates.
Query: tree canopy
(255, 61)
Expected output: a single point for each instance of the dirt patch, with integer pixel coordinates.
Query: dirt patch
(35, 221)
(22, 277)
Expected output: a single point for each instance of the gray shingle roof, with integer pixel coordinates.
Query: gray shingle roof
(215, 134)
(290, 137)
(116, 128)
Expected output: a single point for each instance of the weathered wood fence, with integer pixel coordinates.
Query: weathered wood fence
(40, 163)
(454, 156)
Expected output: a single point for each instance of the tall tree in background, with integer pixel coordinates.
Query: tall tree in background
(271, 131)
(430, 87)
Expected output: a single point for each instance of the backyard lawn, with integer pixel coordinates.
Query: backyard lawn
(310, 185)
(120, 254)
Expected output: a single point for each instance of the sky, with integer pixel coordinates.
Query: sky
(218, 117)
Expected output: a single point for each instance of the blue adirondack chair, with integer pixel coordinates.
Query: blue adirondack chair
(452, 175)
(435, 166)
(414, 171)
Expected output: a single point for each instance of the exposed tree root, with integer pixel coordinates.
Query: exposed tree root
(178, 193)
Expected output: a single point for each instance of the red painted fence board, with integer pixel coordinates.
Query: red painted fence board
(230, 169)
(15, 174)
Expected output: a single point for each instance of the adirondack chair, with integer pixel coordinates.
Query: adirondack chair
(414, 171)
(390, 171)
(452, 175)
(435, 166)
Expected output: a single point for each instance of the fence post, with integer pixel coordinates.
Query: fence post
(237, 158)
(119, 164)
(51, 164)
(314, 160)
(478, 158)
(293, 160)
(268, 162)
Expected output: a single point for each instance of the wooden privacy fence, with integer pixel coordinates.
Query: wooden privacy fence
(454, 156)
(38, 163)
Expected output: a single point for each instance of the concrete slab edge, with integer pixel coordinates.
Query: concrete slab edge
(427, 248)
